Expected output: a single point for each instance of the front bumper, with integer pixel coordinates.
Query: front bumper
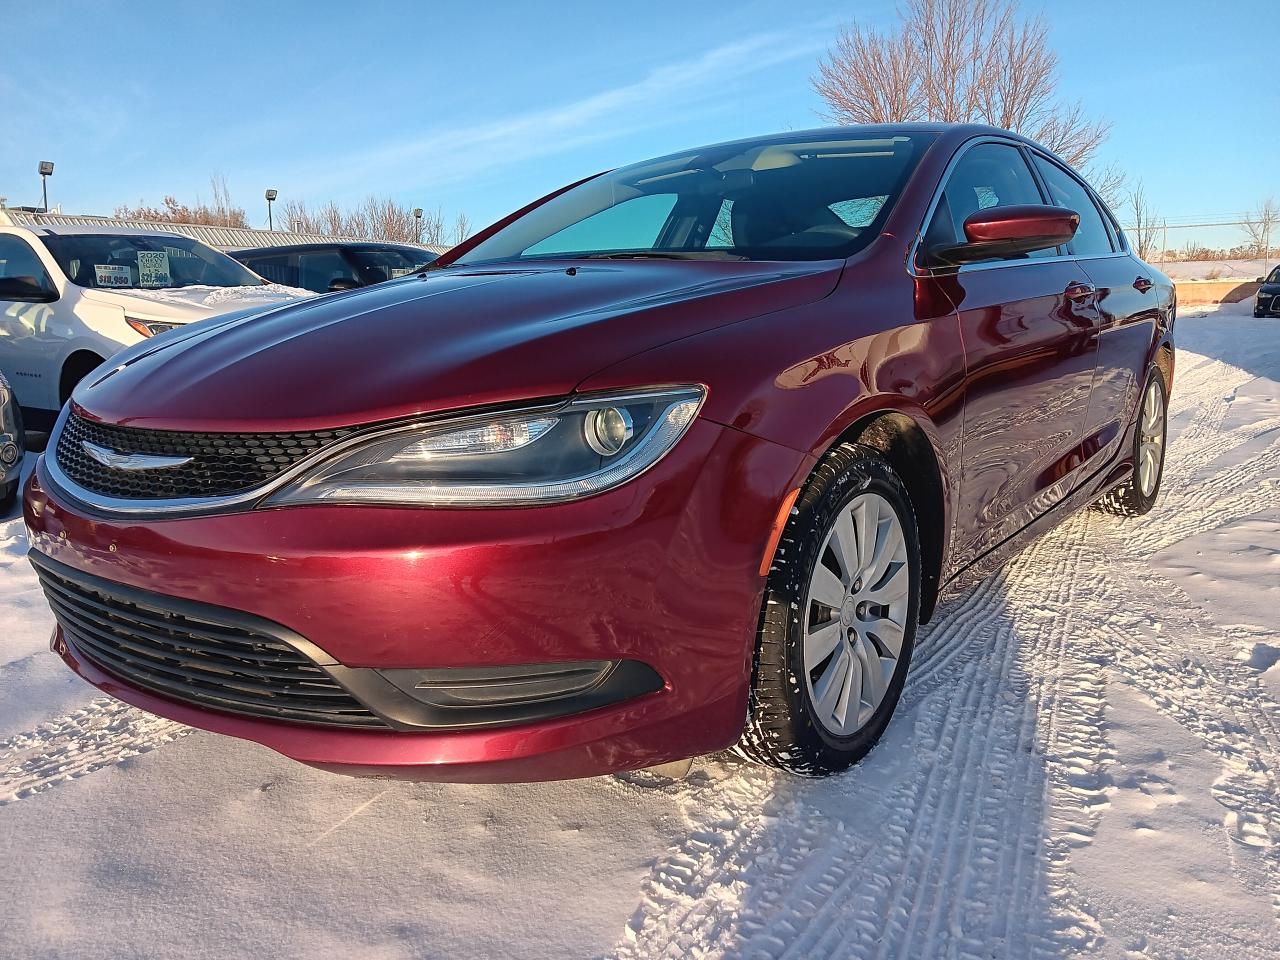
(663, 571)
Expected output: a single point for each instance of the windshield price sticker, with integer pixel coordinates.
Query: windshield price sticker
(112, 275)
(153, 269)
(397, 272)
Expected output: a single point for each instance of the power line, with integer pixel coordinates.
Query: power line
(1187, 226)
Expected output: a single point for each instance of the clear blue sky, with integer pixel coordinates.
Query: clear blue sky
(481, 107)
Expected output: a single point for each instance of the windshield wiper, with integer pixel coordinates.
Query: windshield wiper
(661, 255)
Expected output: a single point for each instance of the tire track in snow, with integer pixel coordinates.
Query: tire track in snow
(974, 859)
(102, 733)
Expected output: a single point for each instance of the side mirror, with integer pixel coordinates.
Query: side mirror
(26, 290)
(1261, 280)
(1000, 232)
(344, 283)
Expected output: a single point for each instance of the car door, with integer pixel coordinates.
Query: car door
(1128, 295)
(31, 337)
(1029, 332)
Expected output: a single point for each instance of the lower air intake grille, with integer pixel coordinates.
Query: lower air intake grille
(197, 654)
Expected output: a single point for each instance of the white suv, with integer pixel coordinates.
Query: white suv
(72, 296)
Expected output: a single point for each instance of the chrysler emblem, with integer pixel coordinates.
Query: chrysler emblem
(131, 461)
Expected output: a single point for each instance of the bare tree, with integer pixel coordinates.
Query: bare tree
(1109, 183)
(374, 218)
(1260, 226)
(220, 213)
(461, 228)
(957, 61)
(1146, 228)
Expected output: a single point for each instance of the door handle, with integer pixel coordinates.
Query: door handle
(1079, 291)
(1143, 284)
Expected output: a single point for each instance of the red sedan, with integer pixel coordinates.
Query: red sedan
(673, 459)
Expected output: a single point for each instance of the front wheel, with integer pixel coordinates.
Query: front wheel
(838, 621)
(1137, 495)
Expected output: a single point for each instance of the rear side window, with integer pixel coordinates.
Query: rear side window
(1091, 239)
(988, 175)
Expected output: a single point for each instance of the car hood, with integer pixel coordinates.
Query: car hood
(439, 341)
(185, 304)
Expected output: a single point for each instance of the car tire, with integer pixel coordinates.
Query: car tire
(795, 721)
(1137, 495)
(8, 498)
(1259, 315)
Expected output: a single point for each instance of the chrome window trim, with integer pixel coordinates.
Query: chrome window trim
(998, 265)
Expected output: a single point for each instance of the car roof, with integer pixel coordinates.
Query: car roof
(91, 230)
(336, 245)
(878, 130)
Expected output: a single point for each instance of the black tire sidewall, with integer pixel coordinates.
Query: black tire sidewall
(813, 748)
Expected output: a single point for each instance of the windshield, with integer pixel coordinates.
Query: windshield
(376, 264)
(1275, 276)
(810, 196)
(123, 261)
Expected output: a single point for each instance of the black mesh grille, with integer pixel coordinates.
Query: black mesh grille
(199, 660)
(221, 464)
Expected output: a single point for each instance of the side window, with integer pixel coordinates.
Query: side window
(17, 259)
(631, 225)
(988, 175)
(275, 269)
(317, 270)
(1091, 239)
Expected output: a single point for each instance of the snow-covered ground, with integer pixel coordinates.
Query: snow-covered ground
(1085, 762)
(1242, 270)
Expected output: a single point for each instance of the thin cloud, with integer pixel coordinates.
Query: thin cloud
(450, 154)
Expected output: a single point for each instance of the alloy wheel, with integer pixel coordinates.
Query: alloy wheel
(854, 625)
(1151, 443)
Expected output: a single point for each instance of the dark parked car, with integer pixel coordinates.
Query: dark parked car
(325, 267)
(1267, 302)
(11, 446)
(672, 459)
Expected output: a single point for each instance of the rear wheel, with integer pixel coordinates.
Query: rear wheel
(1138, 493)
(838, 620)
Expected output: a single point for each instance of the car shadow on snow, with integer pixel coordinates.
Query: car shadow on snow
(940, 840)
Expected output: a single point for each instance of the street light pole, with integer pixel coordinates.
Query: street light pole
(271, 195)
(46, 171)
(417, 222)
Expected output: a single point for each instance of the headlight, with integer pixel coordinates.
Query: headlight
(538, 455)
(151, 328)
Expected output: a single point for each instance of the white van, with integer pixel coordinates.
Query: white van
(72, 296)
